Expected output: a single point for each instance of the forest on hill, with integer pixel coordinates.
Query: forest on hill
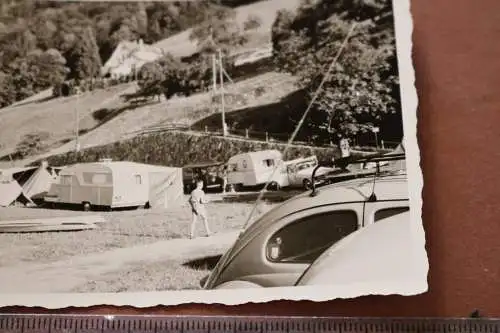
(43, 43)
(362, 91)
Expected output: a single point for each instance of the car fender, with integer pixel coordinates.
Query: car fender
(238, 284)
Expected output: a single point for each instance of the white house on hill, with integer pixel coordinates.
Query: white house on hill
(129, 56)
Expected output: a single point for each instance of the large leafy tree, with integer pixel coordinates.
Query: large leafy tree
(35, 72)
(362, 89)
(83, 59)
(219, 30)
(30, 25)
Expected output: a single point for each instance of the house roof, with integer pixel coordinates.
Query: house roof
(130, 53)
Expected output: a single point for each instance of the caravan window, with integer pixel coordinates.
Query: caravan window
(99, 178)
(96, 178)
(65, 180)
(138, 179)
(268, 162)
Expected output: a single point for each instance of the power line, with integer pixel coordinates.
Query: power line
(294, 134)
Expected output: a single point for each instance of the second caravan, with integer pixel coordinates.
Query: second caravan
(255, 168)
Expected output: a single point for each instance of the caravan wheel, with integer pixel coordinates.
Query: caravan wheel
(307, 184)
(273, 186)
(87, 207)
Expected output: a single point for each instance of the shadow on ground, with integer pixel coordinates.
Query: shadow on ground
(273, 118)
(206, 263)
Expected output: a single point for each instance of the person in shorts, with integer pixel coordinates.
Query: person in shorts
(197, 202)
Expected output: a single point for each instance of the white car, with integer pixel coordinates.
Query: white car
(279, 246)
(300, 172)
(379, 256)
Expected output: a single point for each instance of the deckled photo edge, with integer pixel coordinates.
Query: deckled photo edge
(409, 101)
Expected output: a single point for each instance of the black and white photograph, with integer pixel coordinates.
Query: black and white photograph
(212, 151)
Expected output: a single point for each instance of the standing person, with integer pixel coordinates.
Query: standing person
(197, 202)
(224, 179)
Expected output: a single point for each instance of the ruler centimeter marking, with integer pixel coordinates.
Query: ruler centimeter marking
(24, 323)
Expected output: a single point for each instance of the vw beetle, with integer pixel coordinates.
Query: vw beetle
(378, 257)
(279, 246)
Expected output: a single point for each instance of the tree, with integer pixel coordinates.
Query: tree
(83, 59)
(32, 143)
(252, 22)
(7, 91)
(151, 77)
(51, 69)
(219, 30)
(363, 86)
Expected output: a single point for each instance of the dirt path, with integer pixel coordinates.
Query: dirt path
(63, 276)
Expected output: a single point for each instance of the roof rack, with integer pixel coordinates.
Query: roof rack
(344, 162)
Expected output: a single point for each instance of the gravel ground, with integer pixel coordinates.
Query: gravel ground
(123, 229)
(144, 277)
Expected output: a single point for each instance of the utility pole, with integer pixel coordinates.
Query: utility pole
(77, 125)
(214, 77)
(221, 73)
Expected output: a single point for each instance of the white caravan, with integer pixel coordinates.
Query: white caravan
(255, 168)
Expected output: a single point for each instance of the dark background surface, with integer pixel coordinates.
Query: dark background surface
(457, 63)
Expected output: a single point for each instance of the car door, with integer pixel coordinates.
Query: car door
(291, 244)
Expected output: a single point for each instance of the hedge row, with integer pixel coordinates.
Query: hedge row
(178, 149)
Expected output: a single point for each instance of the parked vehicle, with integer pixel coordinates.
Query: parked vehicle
(116, 184)
(377, 257)
(300, 173)
(256, 168)
(209, 172)
(278, 247)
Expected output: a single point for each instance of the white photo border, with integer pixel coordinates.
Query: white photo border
(409, 101)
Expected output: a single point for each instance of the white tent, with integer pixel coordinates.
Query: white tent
(26, 184)
(10, 191)
(40, 181)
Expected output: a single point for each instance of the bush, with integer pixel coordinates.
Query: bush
(252, 22)
(31, 144)
(177, 149)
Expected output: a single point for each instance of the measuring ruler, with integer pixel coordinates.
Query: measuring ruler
(13, 323)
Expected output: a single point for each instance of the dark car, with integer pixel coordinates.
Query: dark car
(210, 172)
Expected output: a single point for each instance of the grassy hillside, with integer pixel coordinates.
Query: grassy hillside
(55, 117)
(104, 118)
(180, 45)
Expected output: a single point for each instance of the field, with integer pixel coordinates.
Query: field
(134, 250)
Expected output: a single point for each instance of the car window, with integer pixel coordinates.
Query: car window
(304, 240)
(388, 212)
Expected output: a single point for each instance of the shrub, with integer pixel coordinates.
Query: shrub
(31, 144)
(177, 149)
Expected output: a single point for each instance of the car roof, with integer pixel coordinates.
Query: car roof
(356, 190)
(378, 252)
(394, 187)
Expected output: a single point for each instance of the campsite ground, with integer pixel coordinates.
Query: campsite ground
(133, 251)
